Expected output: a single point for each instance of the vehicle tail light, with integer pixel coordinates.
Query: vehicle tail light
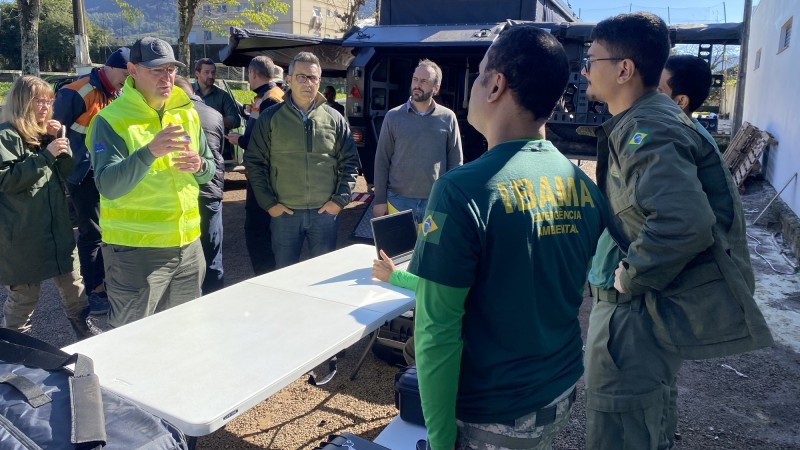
(358, 136)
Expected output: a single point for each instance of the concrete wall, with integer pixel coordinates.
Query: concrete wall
(772, 93)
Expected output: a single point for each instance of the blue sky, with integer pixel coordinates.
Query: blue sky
(680, 11)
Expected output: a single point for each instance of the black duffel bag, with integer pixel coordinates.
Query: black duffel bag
(44, 405)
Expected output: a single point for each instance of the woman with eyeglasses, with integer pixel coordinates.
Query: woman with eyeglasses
(36, 238)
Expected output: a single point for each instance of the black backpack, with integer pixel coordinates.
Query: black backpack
(45, 405)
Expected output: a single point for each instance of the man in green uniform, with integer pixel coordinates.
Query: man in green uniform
(502, 258)
(672, 277)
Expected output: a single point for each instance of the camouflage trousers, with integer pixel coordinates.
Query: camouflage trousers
(525, 433)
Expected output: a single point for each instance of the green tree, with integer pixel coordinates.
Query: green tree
(350, 16)
(56, 48)
(10, 51)
(215, 17)
(132, 15)
(29, 11)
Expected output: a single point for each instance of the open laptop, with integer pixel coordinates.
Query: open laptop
(396, 235)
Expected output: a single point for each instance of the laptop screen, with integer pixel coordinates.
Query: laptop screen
(395, 234)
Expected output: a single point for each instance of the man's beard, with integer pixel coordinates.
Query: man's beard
(424, 97)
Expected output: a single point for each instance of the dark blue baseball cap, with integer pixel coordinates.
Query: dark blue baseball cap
(153, 52)
(119, 59)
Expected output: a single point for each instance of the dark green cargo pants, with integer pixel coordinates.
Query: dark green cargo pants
(630, 378)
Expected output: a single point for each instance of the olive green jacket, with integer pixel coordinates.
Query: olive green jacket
(678, 218)
(36, 239)
(301, 161)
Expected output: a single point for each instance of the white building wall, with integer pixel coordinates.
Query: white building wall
(772, 92)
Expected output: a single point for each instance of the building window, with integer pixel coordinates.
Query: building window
(222, 8)
(786, 36)
(316, 11)
(207, 35)
(758, 60)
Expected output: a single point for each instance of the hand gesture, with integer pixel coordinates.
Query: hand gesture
(279, 209)
(173, 138)
(59, 147)
(233, 138)
(53, 127)
(188, 161)
(382, 268)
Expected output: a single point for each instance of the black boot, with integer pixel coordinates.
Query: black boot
(81, 327)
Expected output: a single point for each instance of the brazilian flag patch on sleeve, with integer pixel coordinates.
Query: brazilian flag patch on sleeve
(431, 228)
(637, 138)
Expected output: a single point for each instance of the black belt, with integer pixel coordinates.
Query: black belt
(545, 416)
(610, 295)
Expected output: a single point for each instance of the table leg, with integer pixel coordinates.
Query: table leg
(364, 355)
(192, 442)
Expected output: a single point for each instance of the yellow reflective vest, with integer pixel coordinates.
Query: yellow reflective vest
(162, 210)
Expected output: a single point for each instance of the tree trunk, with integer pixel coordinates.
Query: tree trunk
(29, 11)
(186, 9)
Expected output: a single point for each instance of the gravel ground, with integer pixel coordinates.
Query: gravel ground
(749, 401)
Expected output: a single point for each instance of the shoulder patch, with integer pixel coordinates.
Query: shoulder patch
(431, 228)
(637, 138)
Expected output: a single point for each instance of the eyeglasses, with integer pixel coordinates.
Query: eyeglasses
(40, 102)
(160, 71)
(302, 79)
(587, 63)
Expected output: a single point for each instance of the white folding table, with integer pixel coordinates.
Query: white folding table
(201, 364)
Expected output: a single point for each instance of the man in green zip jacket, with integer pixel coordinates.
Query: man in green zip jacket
(302, 165)
(671, 278)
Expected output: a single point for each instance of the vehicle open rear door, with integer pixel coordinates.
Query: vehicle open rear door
(245, 44)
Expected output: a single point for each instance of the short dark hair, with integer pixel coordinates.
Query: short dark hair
(520, 53)
(437, 71)
(306, 57)
(690, 76)
(262, 65)
(198, 65)
(641, 37)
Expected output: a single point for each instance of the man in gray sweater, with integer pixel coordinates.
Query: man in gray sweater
(419, 142)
